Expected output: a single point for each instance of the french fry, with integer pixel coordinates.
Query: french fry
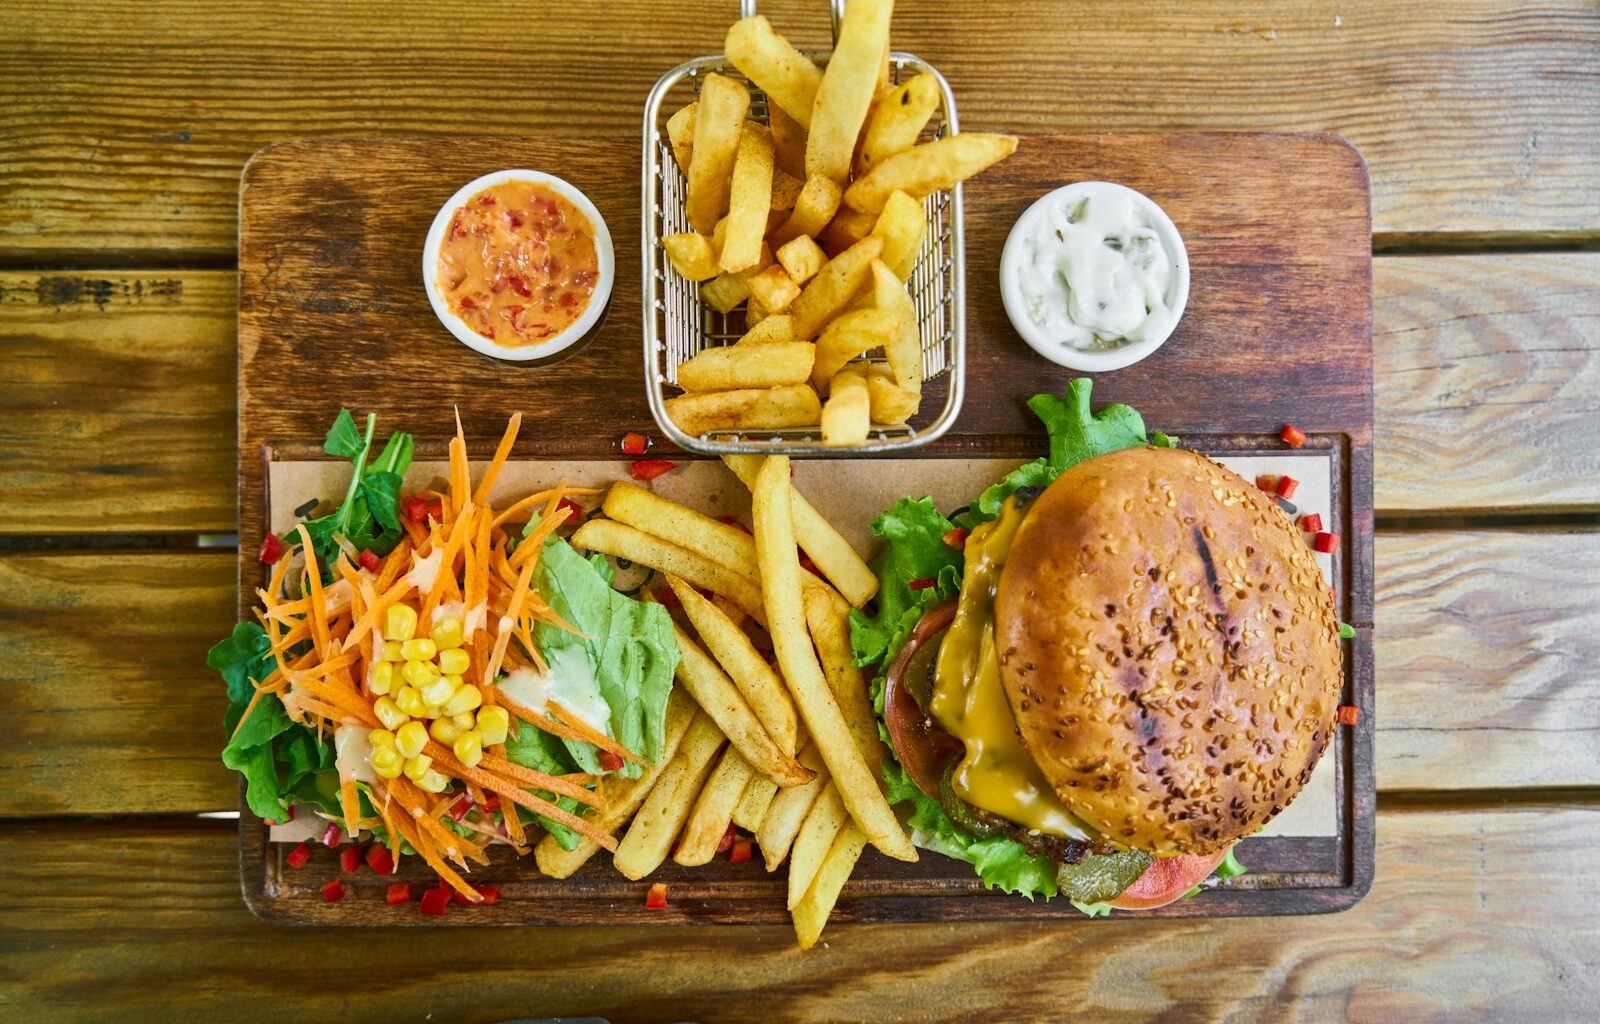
(788, 142)
(827, 617)
(753, 803)
(623, 797)
(830, 552)
(690, 254)
(770, 330)
(904, 346)
(772, 504)
(801, 258)
(788, 810)
(847, 228)
(901, 225)
(813, 841)
(731, 367)
(848, 336)
(789, 79)
(889, 402)
(774, 289)
(794, 405)
(649, 838)
(785, 189)
(846, 90)
(622, 541)
(725, 291)
(833, 287)
(681, 525)
(762, 689)
(713, 810)
(898, 120)
(718, 697)
(811, 913)
(930, 167)
(754, 314)
(749, 199)
(680, 132)
(718, 119)
(816, 204)
(846, 415)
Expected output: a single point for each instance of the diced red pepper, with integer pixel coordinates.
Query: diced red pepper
(333, 892)
(1287, 485)
(1292, 435)
(634, 444)
(1267, 482)
(417, 510)
(434, 902)
(1327, 543)
(610, 761)
(350, 859)
(379, 859)
(649, 469)
(291, 813)
(490, 804)
(667, 597)
(807, 564)
(575, 512)
(298, 856)
(921, 583)
(726, 842)
(656, 899)
(271, 549)
(1311, 522)
(459, 809)
(1348, 714)
(369, 560)
(730, 521)
(956, 538)
(399, 892)
(741, 850)
(332, 835)
(489, 893)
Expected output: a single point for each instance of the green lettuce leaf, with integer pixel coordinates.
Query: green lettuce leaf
(914, 549)
(544, 752)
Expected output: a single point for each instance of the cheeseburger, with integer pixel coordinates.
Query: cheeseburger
(1127, 668)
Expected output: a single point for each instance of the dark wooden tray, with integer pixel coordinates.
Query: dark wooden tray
(1278, 329)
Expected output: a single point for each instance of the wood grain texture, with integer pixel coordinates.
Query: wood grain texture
(1491, 677)
(1483, 916)
(118, 399)
(1488, 382)
(1479, 118)
(1486, 672)
(105, 700)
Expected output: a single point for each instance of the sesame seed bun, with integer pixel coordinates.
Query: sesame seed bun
(1169, 648)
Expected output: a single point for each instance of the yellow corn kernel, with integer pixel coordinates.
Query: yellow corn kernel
(410, 738)
(469, 749)
(448, 633)
(409, 701)
(389, 712)
(433, 782)
(444, 730)
(454, 661)
(380, 738)
(391, 651)
(493, 724)
(418, 766)
(430, 713)
(467, 698)
(420, 673)
(399, 622)
(382, 679)
(465, 720)
(386, 763)
(436, 693)
(419, 650)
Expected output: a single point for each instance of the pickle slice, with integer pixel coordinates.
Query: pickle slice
(1100, 877)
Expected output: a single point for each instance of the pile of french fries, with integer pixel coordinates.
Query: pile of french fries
(813, 221)
(789, 752)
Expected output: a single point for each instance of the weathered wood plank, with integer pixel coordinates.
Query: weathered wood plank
(1478, 117)
(1474, 915)
(1487, 382)
(1486, 651)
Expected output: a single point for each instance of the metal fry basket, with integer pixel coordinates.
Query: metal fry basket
(677, 325)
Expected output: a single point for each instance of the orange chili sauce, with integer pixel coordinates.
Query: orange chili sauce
(518, 263)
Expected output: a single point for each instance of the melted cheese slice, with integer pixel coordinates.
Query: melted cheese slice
(996, 774)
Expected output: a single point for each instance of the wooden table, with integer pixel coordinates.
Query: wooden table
(123, 131)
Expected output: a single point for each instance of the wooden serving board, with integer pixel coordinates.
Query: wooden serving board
(332, 313)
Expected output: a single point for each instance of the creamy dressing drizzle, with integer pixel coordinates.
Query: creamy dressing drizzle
(568, 684)
(425, 569)
(352, 753)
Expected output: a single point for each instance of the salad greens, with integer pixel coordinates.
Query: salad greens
(369, 516)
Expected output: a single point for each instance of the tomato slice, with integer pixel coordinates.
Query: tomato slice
(1166, 879)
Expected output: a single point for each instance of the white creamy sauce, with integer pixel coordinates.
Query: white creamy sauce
(1095, 274)
(336, 595)
(570, 684)
(425, 570)
(352, 752)
(476, 621)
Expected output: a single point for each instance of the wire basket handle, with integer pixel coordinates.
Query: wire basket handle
(747, 9)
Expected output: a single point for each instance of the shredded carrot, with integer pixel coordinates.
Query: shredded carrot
(350, 805)
(480, 497)
(538, 780)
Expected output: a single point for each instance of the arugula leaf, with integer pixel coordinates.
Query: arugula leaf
(382, 493)
(344, 439)
(368, 517)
